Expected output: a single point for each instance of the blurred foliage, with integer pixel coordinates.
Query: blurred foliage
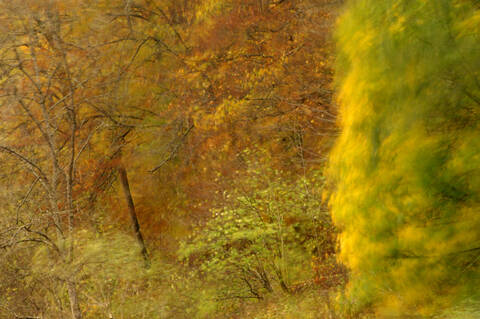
(222, 113)
(174, 92)
(406, 168)
(274, 235)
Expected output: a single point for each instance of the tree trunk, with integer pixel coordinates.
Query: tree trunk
(133, 213)
(72, 295)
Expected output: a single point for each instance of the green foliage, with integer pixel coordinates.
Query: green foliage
(111, 277)
(263, 240)
(469, 309)
(406, 168)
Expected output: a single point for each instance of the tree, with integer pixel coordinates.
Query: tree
(405, 170)
(54, 92)
(234, 75)
(92, 89)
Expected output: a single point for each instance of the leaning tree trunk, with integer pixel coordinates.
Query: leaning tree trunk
(133, 213)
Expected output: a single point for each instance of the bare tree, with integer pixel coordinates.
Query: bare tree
(52, 92)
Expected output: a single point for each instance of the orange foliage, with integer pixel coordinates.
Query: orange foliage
(242, 76)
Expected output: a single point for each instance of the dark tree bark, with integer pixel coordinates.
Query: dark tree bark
(133, 213)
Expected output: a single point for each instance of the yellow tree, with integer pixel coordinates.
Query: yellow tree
(406, 165)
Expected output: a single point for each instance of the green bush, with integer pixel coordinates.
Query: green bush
(263, 240)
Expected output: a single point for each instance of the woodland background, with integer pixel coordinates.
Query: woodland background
(239, 158)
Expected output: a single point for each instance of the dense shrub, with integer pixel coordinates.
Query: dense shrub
(273, 236)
